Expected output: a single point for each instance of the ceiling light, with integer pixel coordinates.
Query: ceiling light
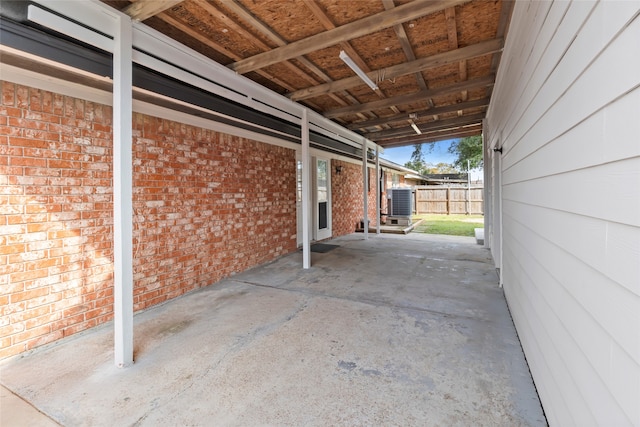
(357, 70)
(418, 131)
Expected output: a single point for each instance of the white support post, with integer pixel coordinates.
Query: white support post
(377, 189)
(365, 185)
(306, 185)
(123, 194)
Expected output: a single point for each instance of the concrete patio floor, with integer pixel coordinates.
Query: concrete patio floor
(396, 330)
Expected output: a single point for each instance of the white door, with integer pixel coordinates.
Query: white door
(321, 198)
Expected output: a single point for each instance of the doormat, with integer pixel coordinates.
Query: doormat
(323, 248)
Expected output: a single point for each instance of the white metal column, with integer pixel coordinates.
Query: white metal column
(365, 183)
(306, 185)
(377, 190)
(123, 194)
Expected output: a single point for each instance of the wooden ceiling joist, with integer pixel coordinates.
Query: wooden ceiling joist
(145, 9)
(425, 128)
(275, 38)
(431, 59)
(411, 98)
(214, 11)
(405, 44)
(435, 137)
(452, 56)
(478, 103)
(191, 32)
(362, 27)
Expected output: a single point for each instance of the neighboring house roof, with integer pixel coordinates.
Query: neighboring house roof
(397, 167)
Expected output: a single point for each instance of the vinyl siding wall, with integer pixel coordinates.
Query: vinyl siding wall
(566, 112)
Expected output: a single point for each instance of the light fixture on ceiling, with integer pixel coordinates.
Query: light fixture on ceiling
(347, 60)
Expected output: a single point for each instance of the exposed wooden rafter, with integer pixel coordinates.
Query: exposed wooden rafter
(346, 32)
(418, 51)
(452, 36)
(272, 36)
(239, 29)
(478, 103)
(468, 52)
(425, 128)
(145, 9)
(432, 137)
(191, 32)
(346, 46)
(405, 44)
(411, 98)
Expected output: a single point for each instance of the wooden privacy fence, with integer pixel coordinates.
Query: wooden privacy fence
(438, 199)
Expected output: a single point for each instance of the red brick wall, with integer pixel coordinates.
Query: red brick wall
(205, 206)
(371, 198)
(346, 197)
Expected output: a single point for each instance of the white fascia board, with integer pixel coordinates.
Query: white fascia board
(214, 77)
(91, 13)
(69, 28)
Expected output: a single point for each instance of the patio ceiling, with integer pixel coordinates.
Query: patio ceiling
(433, 61)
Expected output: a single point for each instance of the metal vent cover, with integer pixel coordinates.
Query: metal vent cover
(400, 202)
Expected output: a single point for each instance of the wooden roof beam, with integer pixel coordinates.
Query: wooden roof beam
(234, 26)
(483, 102)
(472, 51)
(452, 35)
(503, 28)
(439, 136)
(404, 43)
(411, 98)
(425, 128)
(346, 46)
(218, 47)
(274, 37)
(145, 9)
(362, 27)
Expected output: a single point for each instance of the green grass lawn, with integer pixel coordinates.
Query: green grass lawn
(454, 225)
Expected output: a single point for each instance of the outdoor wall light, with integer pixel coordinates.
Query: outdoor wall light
(338, 170)
(347, 60)
(497, 150)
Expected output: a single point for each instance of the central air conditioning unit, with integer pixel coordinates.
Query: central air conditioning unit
(399, 207)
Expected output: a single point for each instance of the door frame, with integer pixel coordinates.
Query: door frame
(326, 232)
(314, 231)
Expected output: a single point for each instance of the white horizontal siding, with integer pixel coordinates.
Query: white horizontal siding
(604, 191)
(566, 111)
(577, 339)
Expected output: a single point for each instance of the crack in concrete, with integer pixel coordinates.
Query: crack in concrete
(371, 302)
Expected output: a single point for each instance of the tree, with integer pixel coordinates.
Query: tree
(417, 159)
(439, 168)
(468, 148)
(418, 163)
